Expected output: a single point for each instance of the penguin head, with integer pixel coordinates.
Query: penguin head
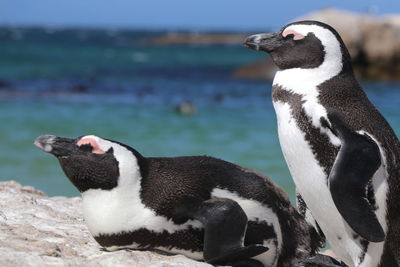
(302, 44)
(91, 162)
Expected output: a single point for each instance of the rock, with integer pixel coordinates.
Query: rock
(186, 108)
(4, 84)
(37, 230)
(261, 70)
(392, 19)
(373, 43)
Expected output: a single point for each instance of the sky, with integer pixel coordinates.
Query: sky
(175, 14)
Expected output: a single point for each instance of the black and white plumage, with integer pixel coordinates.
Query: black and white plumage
(199, 206)
(342, 154)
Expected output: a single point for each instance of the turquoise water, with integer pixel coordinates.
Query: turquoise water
(63, 84)
(244, 135)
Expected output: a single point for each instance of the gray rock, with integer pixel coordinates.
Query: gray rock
(37, 230)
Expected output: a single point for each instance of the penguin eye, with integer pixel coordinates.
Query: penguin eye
(292, 35)
(86, 147)
(289, 36)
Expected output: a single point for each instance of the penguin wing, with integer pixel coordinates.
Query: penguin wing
(356, 163)
(225, 224)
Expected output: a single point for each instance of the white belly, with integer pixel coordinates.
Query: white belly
(311, 183)
(119, 210)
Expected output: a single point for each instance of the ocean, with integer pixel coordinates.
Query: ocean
(118, 85)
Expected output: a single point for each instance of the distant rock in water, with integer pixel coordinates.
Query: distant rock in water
(4, 84)
(373, 42)
(186, 108)
(37, 230)
(261, 70)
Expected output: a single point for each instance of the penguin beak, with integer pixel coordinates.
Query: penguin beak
(58, 146)
(267, 42)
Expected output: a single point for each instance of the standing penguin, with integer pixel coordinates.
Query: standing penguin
(202, 207)
(342, 154)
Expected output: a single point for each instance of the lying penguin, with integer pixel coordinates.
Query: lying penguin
(202, 207)
(343, 156)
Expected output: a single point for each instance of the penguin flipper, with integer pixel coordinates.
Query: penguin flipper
(225, 225)
(357, 161)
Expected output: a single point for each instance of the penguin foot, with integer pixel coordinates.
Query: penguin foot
(242, 254)
(319, 260)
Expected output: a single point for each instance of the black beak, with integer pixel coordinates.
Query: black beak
(267, 42)
(58, 146)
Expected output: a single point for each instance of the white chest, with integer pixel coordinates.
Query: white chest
(121, 210)
(307, 174)
(311, 183)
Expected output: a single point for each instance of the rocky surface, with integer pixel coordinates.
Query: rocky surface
(373, 42)
(37, 230)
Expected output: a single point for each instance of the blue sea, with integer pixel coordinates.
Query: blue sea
(117, 85)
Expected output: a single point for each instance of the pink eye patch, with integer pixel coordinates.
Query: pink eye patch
(96, 148)
(297, 36)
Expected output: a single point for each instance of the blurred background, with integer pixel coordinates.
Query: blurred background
(168, 78)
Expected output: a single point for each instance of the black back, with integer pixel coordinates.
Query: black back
(169, 182)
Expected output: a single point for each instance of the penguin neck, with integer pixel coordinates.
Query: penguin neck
(135, 170)
(132, 165)
(130, 173)
(302, 81)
